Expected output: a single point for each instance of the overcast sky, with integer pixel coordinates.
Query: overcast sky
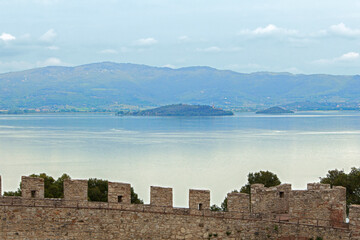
(307, 36)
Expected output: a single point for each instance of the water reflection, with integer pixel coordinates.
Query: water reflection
(212, 153)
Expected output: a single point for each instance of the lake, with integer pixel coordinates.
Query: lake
(214, 153)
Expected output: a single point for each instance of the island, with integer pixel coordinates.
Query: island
(274, 110)
(180, 110)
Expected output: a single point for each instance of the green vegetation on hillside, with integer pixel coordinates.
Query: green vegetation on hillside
(274, 110)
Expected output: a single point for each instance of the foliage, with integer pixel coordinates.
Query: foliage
(224, 204)
(53, 189)
(16, 193)
(97, 190)
(134, 197)
(351, 181)
(182, 110)
(215, 208)
(267, 178)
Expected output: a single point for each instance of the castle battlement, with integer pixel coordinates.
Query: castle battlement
(319, 207)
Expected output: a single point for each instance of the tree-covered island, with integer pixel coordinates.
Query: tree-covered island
(274, 110)
(180, 110)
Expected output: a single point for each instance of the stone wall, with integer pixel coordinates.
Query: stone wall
(199, 199)
(354, 216)
(32, 187)
(238, 202)
(320, 203)
(76, 190)
(57, 219)
(119, 192)
(273, 200)
(160, 196)
(73, 217)
(0, 187)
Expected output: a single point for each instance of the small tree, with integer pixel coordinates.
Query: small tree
(134, 197)
(351, 181)
(215, 208)
(97, 190)
(267, 178)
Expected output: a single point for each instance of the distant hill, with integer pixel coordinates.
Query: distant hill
(274, 110)
(111, 85)
(181, 110)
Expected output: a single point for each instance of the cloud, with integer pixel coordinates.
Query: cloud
(342, 30)
(184, 38)
(169, 66)
(21, 65)
(215, 49)
(7, 37)
(209, 49)
(347, 57)
(48, 36)
(109, 51)
(145, 42)
(53, 61)
(52, 48)
(270, 29)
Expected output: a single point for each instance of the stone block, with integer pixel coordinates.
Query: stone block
(75, 190)
(270, 200)
(32, 187)
(238, 202)
(199, 199)
(317, 186)
(160, 196)
(119, 193)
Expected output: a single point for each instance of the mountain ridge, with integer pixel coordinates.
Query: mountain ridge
(110, 85)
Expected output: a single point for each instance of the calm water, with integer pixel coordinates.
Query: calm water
(213, 153)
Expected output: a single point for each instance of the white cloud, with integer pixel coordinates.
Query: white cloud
(184, 38)
(48, 36)
(169, 66)
(209, 49)
(338, 30)
(214, 49)
(46, 2)
(145, 42)
(343, 30)
(21, 65)
(50, 62)
(268, 30)
(347, 57)
(108, 51)
(7, 37)
(52, 48)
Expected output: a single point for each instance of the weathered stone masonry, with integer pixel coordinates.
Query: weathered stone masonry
(269, 213)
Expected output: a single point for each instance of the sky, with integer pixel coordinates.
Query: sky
(307, 36)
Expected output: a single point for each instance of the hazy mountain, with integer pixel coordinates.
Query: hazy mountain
(107, 85)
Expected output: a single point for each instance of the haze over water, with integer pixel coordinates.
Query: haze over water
(213, 153)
